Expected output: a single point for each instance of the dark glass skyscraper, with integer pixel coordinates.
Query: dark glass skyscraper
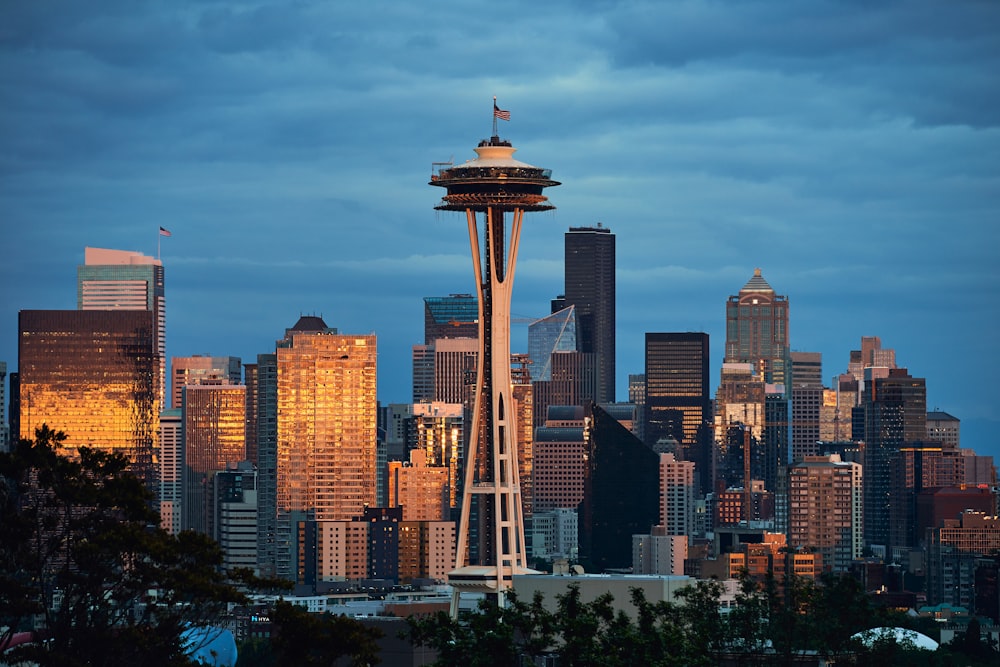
(621, 493)
(590, 287)
(678, 402)
(894, 413)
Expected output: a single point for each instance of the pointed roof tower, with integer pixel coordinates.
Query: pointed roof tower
(757, 284)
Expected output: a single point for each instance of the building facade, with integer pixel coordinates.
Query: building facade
(124, 280)
(826, 509)
(214, 419)
(757, 330)
(93, 375)
(326, 428)
(199, 369)
(677, 395)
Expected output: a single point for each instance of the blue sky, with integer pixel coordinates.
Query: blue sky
(851, 152)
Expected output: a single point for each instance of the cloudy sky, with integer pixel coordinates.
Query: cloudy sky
(850, 152)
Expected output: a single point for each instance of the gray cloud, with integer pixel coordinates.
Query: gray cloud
(848, 150)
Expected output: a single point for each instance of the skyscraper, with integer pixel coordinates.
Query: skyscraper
(678, 402)
(548, 335)
(92, 375)
(893, 412)
(590, 288)
(757, 330)
(214, 438)
(265, 389)
(621, 493)
(493, 184)
(171, 470)
(452, 316)
(202, 369)
(825, 513)
(421, 490)
(124, 280)
(326, 428)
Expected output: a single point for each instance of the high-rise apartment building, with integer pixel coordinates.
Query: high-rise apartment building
(326, 428)
(421, 490)
(124, 280)
(171, 470)
(677, 496)
(426, 550)
(826, 509)
(678, 402)
(590, 288)
(93, 375)
(660, 552)
(202, 369)
(757, 330)
(214, 438)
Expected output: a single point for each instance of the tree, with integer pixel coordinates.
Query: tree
(580, 633)
(301, 638)
(81, 547)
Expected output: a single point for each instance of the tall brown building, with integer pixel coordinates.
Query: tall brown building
(757, 330)
(825, 515)
(93, 374)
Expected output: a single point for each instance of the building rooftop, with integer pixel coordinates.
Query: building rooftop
(757, 284)
(310, 323)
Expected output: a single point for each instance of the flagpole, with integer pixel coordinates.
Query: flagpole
(495, 134)
(158, 237)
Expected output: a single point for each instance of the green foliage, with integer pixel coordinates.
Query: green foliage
(301, 638)
(80, 547)
(771, 624)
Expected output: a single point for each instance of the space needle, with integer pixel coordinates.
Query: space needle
(490, 189)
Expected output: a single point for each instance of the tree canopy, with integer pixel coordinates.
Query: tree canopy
(82, 552)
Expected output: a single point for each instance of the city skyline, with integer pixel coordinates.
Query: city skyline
(846, 152)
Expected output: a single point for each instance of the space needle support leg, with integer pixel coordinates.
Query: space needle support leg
(461, 546)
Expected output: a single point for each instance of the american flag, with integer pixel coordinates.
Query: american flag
(164, 232)
(502, 114)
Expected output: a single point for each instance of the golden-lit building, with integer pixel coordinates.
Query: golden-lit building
(127, 280)
(421, 490)
(92, 374)
(439, 430)
(326, 429)
(214, 419)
